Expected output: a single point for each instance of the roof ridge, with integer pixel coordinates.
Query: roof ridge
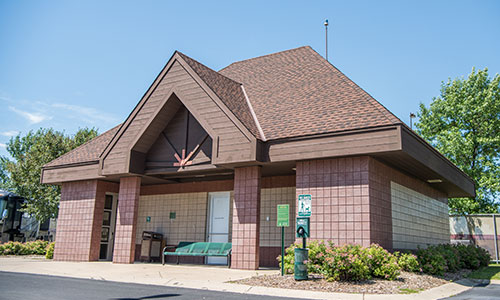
(371, 99)
(265, 55)
(254, 116)
(184, 55)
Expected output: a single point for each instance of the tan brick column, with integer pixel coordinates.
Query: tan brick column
(246, 218)
(126, 220)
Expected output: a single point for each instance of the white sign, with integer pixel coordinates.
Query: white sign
(305, 203)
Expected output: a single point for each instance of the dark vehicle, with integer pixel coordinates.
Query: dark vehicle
(12, 217)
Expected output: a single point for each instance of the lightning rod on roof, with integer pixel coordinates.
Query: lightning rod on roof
(326, 38)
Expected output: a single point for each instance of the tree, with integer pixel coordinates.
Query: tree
(464, 125)
(29, 153)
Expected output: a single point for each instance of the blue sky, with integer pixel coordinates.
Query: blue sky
(71, 64)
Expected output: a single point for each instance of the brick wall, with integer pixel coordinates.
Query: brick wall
(352, 199)
(341, 203)
(126, 220)
(80, 220)
(246, 218)
(380, 177)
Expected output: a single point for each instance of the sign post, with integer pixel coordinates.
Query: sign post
(283, 220)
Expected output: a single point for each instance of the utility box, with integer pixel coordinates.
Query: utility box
(302, 227)
(151, 246)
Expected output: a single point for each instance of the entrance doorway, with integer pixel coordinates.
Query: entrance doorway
(108, 227)
(218, 223)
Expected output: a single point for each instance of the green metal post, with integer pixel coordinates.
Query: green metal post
(282, 250)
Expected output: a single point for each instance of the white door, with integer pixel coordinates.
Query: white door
(218, 223)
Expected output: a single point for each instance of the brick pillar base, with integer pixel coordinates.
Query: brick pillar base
(126, 220)
(246, 218)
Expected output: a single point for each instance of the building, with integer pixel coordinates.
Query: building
(207, 155)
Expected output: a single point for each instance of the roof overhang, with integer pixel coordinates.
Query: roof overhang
(395, 145)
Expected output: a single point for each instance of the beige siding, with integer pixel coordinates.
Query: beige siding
(417, 220)
(189, 223)
(191, 216)
(270, 234)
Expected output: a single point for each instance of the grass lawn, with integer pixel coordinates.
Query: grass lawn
(490, 272)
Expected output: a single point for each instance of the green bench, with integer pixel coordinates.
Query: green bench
(199, 249)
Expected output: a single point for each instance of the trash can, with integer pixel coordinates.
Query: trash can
(151, 246)
(300, 266)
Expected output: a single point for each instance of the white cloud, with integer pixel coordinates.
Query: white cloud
(86, 113)
(6, 99)
(33, 118)
(9, 133)
(2, 145)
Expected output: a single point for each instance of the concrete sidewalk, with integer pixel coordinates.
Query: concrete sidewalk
(193, 276)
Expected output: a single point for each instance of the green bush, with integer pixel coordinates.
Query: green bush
(348, 262)
(28, 248)
(50, 251)
(437, 259)
(408, 262)
(317, 250)
(345, 263)
(354, 262)
(432, 261)
(289, 259)
(382, 263)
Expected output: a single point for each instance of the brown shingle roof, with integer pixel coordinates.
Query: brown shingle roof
(87, 152)
(297, 92)
(294, 93)
(228, 90)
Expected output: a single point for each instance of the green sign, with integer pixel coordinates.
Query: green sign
(305, 202)
(148, 219)
(172, 215)
(283, 215)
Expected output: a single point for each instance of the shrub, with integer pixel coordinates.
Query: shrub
(382, 263)
(28, 248)
(50, 251)
(289, 259)
(437, 259)
(345, 263)
(450, 255)
(354, 262)
(408, 262)
(348, 262)
(432, 261)
(317, 251)
(36, 247)
(472, 257)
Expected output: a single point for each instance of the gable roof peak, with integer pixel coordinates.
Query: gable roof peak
(228, 90)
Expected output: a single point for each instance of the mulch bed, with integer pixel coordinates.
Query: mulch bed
(406, 282)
